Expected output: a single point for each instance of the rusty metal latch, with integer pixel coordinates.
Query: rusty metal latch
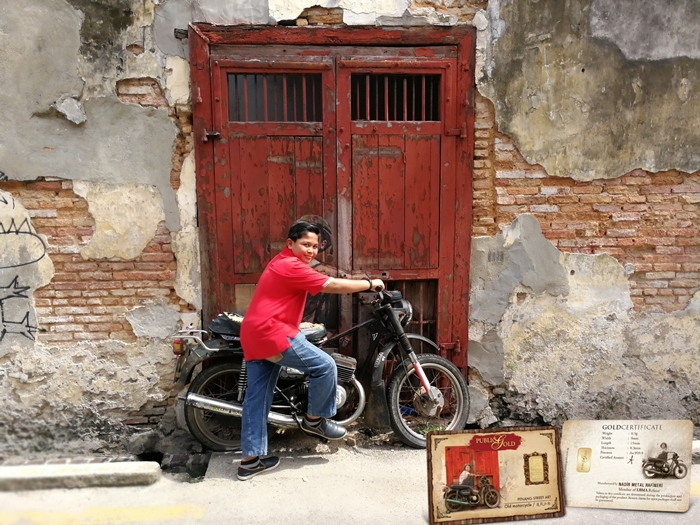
(454, 346)
(213, 135)
(457, 132)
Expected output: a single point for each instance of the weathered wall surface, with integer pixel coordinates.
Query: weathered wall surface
(556, 337)
(584, 265)
(594, 89)
(586, 144)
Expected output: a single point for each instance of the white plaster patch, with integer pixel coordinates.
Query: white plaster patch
(177, 82)
(126, 218)
(597, 284)
(291, 9)
(359, 19)
(231, 12)
(159, 321)
(188, 278)
(187, 193)
(72, 109)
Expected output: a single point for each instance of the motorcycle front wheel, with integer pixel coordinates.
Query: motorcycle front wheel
(412, 414)
(491, 498)
(680, 471)
(215, 431)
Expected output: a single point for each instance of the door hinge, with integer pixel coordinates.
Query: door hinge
(457, 132)
(213, 135)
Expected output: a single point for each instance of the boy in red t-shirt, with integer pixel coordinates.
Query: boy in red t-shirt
(271, 339)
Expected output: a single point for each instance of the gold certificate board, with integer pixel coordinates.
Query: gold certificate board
(635, 465)
(479, 476)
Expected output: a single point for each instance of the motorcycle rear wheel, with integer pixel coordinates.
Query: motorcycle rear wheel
(215, 431)
(405, 394)
(649, 471)
(451, 506)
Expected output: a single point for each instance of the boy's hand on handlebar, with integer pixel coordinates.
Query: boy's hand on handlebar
(378, 285)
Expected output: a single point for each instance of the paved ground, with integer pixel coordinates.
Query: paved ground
(345, 486)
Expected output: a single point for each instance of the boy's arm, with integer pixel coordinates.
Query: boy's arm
(340, 286)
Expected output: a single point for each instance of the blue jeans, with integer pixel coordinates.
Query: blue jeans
(262, 378)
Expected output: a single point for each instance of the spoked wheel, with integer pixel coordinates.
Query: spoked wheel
(491, 497)
(451, 505)
(413, 414)
(680, 471)
(215, 431)
(649, 471)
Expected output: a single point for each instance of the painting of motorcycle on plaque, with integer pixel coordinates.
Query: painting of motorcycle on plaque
(480, 476)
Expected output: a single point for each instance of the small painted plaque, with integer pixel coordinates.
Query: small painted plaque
(480, 476)
(635, 465)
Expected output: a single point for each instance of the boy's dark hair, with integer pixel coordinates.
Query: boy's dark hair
(301, 228)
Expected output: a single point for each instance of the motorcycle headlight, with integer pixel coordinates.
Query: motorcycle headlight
(407, 310)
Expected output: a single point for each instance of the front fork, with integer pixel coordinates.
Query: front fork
(408, 349)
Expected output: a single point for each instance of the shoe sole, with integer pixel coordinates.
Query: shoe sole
(266, 469)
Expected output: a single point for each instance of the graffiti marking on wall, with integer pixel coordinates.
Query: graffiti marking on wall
(3, 177)
(23, 327)
(19, 245)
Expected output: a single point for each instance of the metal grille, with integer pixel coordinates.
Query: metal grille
(395, 97)
(283, 97)
(423, 297)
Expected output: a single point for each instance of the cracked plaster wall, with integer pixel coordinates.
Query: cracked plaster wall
(594, 89)
(554, 337)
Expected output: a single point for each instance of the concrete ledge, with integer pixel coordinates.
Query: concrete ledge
(34, 477)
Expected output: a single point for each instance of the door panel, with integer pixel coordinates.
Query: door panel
(393, 137)
(270, 165)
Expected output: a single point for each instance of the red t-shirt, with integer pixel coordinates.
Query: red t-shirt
(278, 305)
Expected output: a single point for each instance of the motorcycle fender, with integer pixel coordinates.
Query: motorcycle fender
(378, 369)
(377, 411)
(196, 356)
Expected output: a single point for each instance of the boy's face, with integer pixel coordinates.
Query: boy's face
(304, 248)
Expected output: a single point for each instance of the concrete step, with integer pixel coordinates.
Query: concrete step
(33, 477)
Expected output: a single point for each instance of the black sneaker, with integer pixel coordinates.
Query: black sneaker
(265, 464)
(326, 429)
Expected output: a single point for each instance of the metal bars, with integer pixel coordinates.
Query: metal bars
(284, 97)
(395, 97)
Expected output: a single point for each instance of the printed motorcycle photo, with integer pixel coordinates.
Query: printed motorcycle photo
(660, 467)
(412, 390)
(463, 497)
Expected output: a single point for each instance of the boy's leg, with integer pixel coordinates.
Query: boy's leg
(262, 378)
(323, 380)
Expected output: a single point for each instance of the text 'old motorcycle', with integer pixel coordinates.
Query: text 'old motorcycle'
(425, 391)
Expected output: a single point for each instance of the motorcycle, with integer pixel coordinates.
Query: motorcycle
(425, 391)
(462, 497)
(673, 466)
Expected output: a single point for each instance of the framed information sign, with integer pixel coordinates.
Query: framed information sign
(635, 465)
(479, 476)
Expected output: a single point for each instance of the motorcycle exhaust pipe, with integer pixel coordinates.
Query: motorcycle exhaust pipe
(236, 409)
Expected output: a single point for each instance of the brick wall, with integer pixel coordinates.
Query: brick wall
(650, 221)
(88, 299)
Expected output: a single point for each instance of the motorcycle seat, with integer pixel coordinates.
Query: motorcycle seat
(315, 334)
(226, 324)
(461, 487)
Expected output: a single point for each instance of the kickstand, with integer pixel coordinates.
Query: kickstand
(321, 438)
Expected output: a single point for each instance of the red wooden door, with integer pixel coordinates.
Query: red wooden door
(371, 131)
